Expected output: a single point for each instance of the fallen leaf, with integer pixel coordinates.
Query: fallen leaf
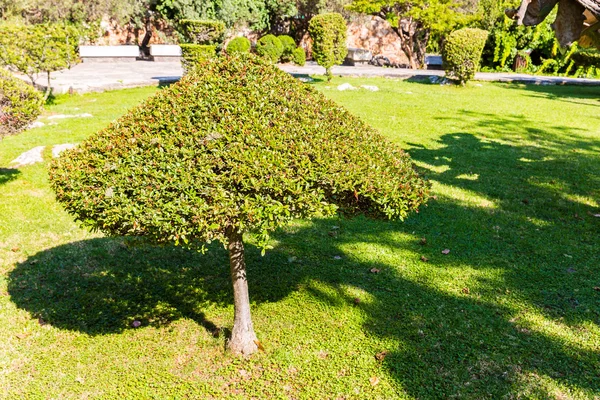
(525, 201)
(41, 321)
(244, 374)
(14, 249)
(23, 335)
(375, 270)
(79, 380)
(594, 215)
(571, 270)
(374, 380)
(33, 262)
(136, 324)
(332, 233)
(323, 354)
(446, 251)
(597, 288)
(424, 259)
(465, 290)
(381, 355)
(356, 300)
(337, 257)
(259, 344)
(423, 241)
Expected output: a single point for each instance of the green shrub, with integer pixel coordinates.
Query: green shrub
(194, 54)
(239, 45)
(299, 56)
(35, 49)
(20, 104)
(269, 47)
(462, 53)
(586, 58)
(289, 45)
(201, 31)
(237, 146)
(328, 32)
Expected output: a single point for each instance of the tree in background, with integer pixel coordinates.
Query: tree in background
(274, 151)
(328, 32)
(414, 21)
(35, 49)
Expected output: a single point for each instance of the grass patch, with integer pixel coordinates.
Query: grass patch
(511, 311)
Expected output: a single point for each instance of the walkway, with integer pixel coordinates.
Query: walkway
(91, 77)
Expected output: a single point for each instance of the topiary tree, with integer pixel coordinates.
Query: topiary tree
(201, 41)
(239, 44)
(328, 32)
(269, 47)
(462, 53)
(299, 56)
(289, 45)
(236, 146)
(34, 49)
(20, 104)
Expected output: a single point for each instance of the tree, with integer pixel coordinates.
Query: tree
(328, 32)
(236, 146)
(414, 21)
(34, 49)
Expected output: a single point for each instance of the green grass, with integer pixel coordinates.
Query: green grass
(511, 312)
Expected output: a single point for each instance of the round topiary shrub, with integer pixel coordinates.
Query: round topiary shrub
(20, 104)
(269, 47)
(194, 54)
(237, 146)
(239, 44)
(462, 53)
(289, 45)
(299, 56)
(328, 32)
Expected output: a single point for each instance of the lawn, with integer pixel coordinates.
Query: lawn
(344, 308)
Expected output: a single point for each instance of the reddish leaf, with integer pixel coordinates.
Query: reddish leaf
(381, 355)
(465, 290)
(374, 380)
(375, 270)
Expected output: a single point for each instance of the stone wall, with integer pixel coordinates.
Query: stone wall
(376, 34)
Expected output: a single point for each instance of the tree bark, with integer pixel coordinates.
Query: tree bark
(243, 339)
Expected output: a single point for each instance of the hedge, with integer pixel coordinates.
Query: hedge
(239, 45)
(289, 45)
(462, 52)
(328, 32)
(20, 104)
(202, 31)
(269, 47)
(193, 54)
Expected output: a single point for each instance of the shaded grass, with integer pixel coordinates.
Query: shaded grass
(510, 312)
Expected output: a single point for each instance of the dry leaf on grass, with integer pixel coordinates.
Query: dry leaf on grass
(374, 380)
(446, 251)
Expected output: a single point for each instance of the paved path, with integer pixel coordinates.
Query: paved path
(90, 77)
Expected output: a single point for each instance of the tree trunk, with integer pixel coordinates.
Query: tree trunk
(243, 339)
(48, 91)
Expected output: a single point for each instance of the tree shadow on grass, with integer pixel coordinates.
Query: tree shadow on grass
(567, 93)
(8, 174)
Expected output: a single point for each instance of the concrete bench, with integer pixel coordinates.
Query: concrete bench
(165, 52)
(108, 53)
(358, 56)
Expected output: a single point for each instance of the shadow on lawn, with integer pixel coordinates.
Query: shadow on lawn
(526, 233)
(567, 93)
(8, 174)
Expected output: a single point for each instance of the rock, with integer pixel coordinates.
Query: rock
(357, 56)
(63, 116)
(59, 148)
(345, 86)
(36, 124)
(29, 157)
(305, 79)
(370, 87)
(376, 35)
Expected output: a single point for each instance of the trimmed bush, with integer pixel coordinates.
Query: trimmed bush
(328, 32)
(239, 45)
(462, 53)
(289, 45)
(194, 54)
(202, 31)
(269, 47)
(299, 56)
(237, 146)
(20, 104)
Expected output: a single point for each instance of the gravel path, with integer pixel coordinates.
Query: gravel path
(94, 77)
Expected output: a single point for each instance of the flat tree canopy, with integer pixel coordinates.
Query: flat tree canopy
(236, 146)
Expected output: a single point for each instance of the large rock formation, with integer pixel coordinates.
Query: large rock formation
(376, 35)
(576, 20)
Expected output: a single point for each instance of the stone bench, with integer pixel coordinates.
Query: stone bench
(108, 53)
(165, 52)
(358, 56)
